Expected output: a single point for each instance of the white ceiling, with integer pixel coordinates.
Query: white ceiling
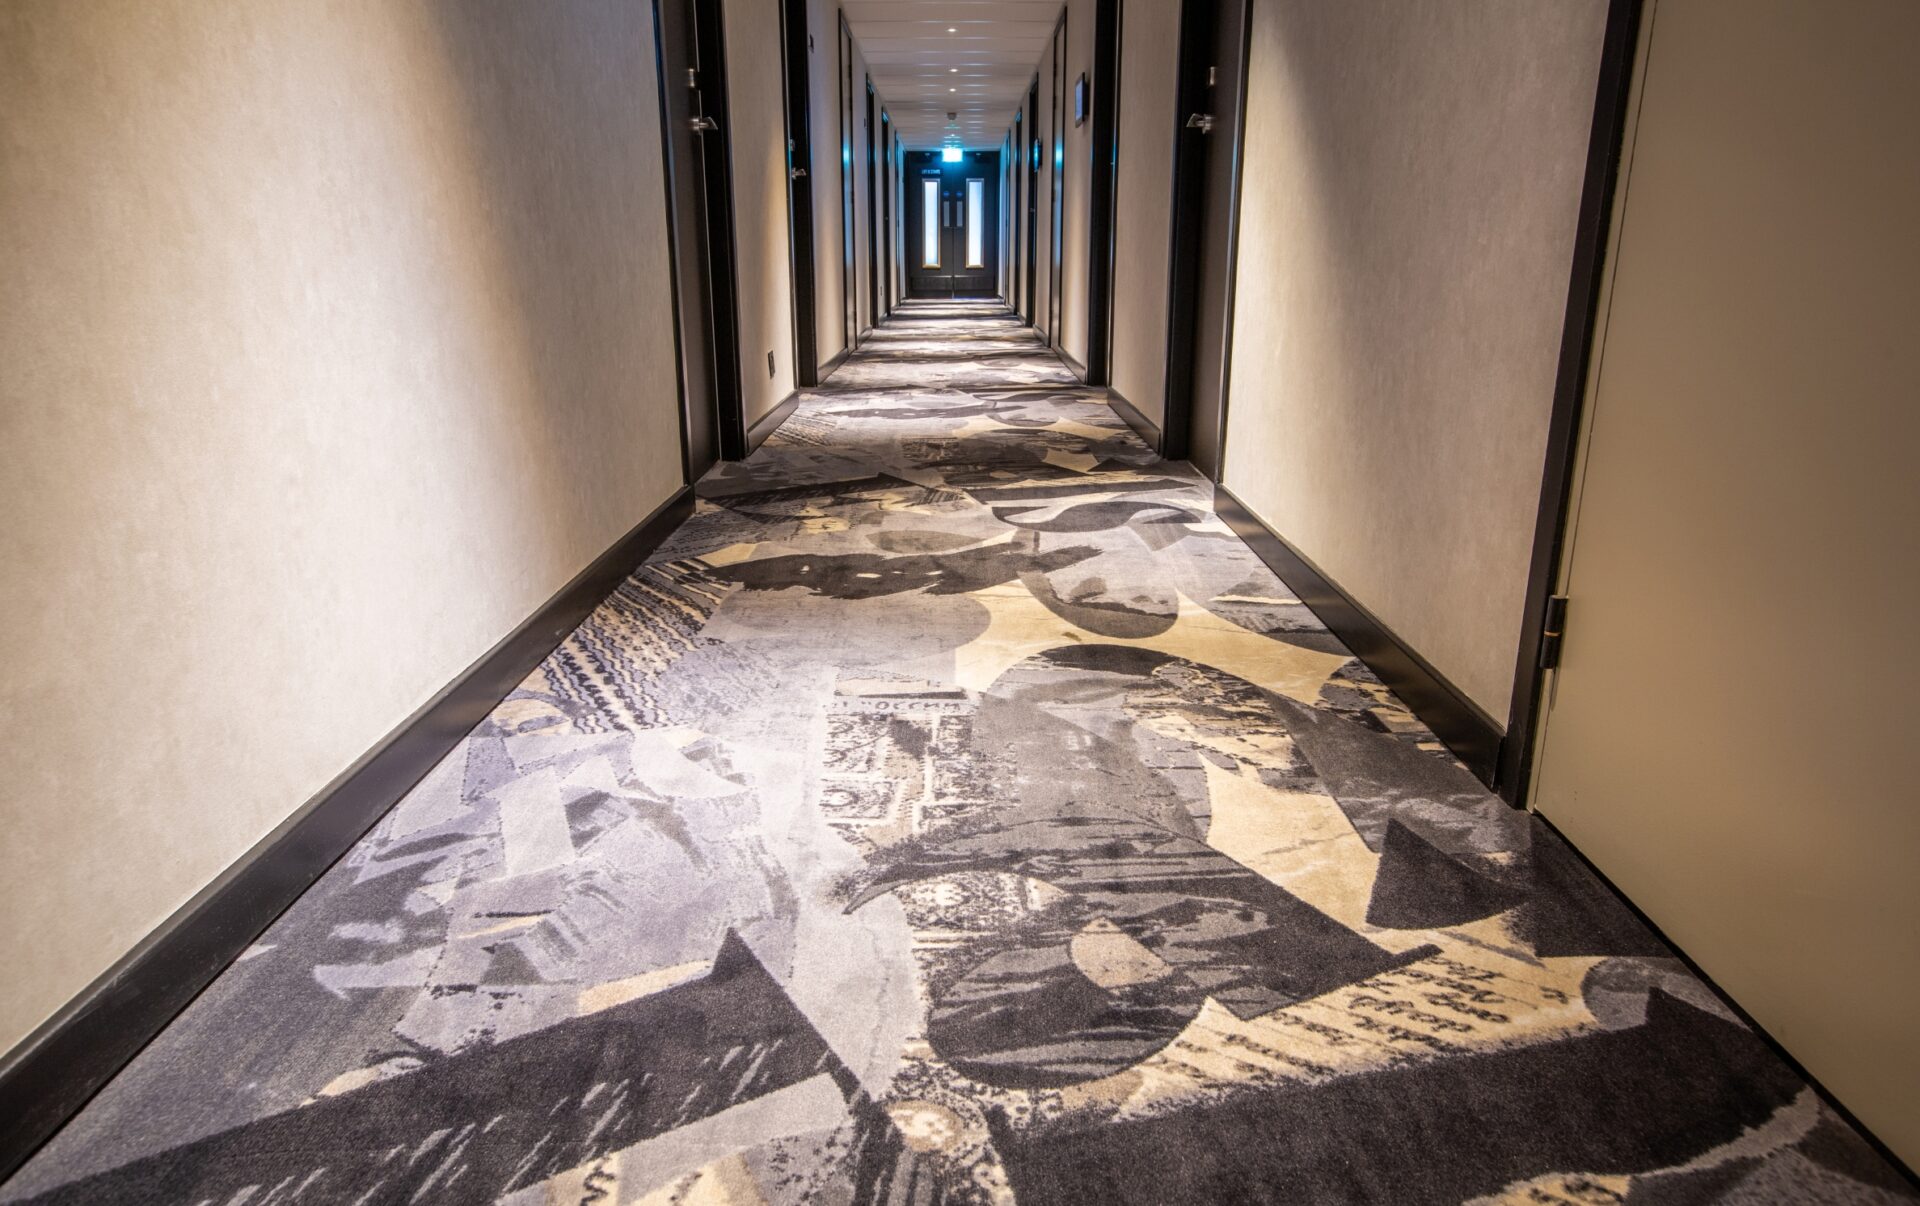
(978, 72)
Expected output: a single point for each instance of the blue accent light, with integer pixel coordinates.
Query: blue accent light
(950, 155)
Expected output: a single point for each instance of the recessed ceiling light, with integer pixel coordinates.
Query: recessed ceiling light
(955, 70)
(951, 29)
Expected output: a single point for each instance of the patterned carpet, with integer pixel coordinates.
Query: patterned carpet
(953, 810)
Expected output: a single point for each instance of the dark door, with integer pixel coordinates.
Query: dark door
(873, 207)
(796, 69)
(700, 210)
(1057, 194)
(1032, 193)
(952, 211)
(849, 281)
(1212, 89)
(885, 184)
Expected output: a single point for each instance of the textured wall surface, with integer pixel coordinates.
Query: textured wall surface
(829, 274)
(1728, 724)
(1077, 186)
(1412, 179)
(1149, 72)
(761, 234)
(338, 342)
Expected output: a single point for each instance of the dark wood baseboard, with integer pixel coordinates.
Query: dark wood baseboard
(1469, 732)
(835, 361)
(1700, 973)
(60, 1066)
(1145, 428)
(1073, 366)
(768, 423)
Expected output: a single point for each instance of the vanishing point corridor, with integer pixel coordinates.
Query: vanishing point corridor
(954, 810)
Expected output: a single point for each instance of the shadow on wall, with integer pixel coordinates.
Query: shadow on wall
(539, 106)
(1412, 181)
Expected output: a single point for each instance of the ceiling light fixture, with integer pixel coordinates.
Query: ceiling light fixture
(951, 29)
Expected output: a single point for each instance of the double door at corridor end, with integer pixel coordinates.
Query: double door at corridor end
(953, 226)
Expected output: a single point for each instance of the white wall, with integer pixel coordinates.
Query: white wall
(338, 343)
(761, 234)
(1412, 177)
(1143, 230)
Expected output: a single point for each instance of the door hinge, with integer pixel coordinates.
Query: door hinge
(1553, 630)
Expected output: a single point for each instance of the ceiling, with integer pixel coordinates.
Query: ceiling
(978, 72)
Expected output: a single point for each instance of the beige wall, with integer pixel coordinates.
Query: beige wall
(829, 273)
(1412, 177)
(337, 343)
(1043, 209)
(1077, 187)
(862, 282)
(1730, 728)
(761, 235)
(1143, 206)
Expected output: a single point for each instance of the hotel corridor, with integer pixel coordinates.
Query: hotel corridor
(954, 809)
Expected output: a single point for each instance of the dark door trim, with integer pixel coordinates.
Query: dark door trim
(1197, 92)
(694, 461)
(1604, 147)
(1057, 170)
(1103, 188)
(716, 172)
(1016, 206)
(873, 204)
(795, 77)
(849, 268)
(1032, 169)
(884, 181)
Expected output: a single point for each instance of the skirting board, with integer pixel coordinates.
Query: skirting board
(839, 358)
(1470, 733)
(1073, 366)
(60, 1066)
(1700, 973)
(1145, 428)
(768, 423)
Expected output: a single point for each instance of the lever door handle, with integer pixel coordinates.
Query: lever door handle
(796, 173)
(1202, 122)
(703, 125)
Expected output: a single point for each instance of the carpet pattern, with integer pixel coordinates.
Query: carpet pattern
(954, 810)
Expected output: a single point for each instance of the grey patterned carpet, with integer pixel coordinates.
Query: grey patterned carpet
(955, 811)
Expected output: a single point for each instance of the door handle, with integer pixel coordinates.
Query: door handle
(703, 125)
(796, 173)
(1202, 122)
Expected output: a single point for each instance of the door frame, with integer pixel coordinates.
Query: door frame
(873, 204)
(796, 80)
(1203, 25)
(716, 174)
(1513, 770)
(1057, 200)
(849, 261)
(1032, 169)
(884, 181)
(700, 236)
(1103, 188)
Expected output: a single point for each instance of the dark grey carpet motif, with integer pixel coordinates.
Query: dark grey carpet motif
(953, 810)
